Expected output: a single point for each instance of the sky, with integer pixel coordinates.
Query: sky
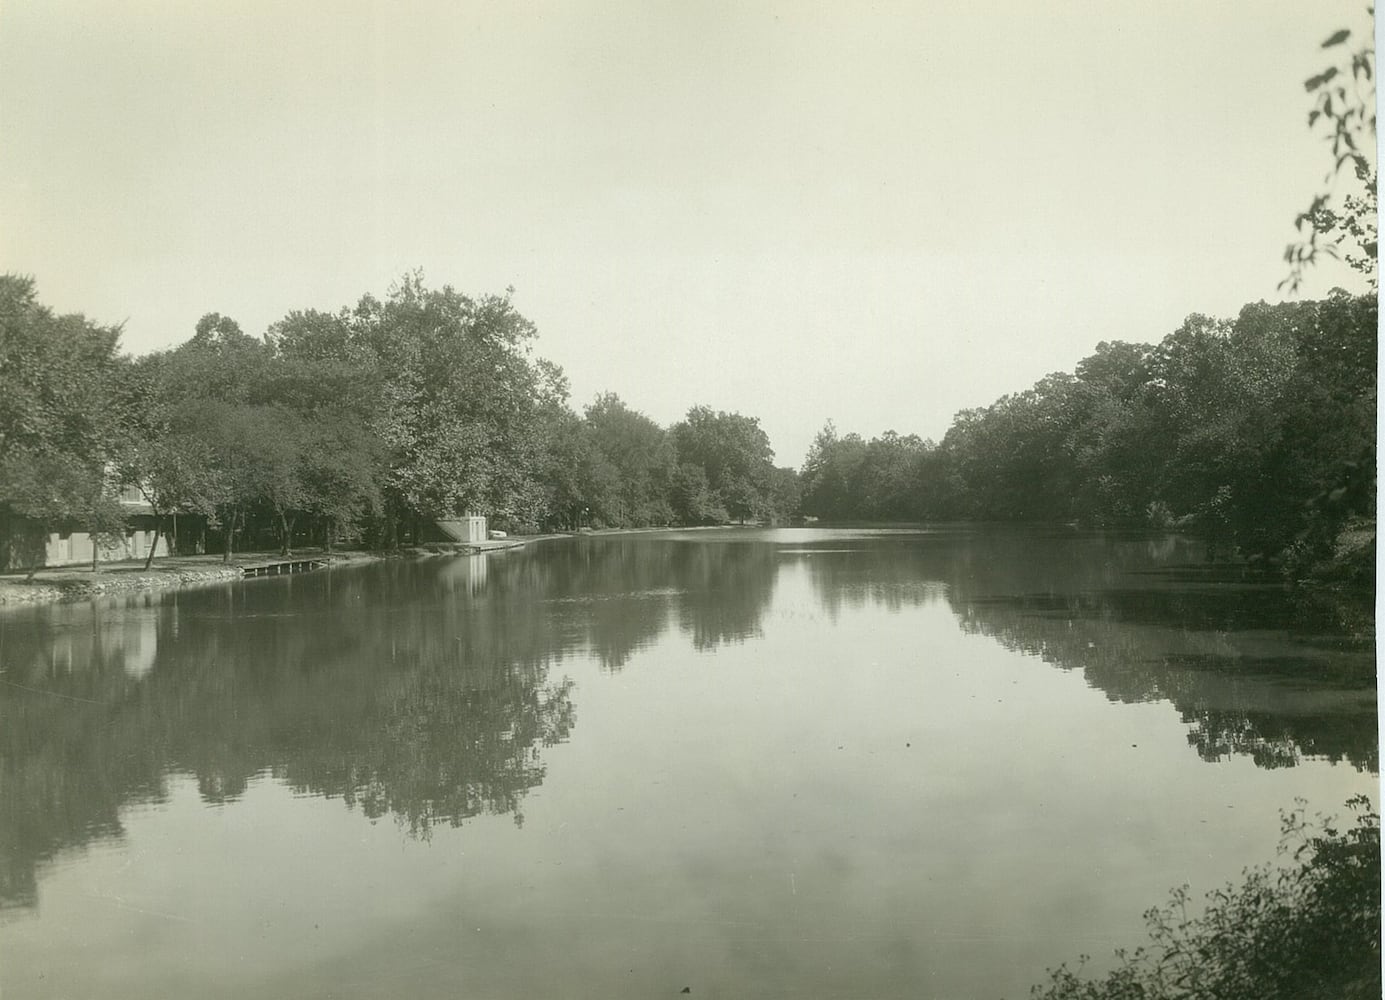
(874, 213)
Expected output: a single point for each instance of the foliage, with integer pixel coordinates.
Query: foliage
(1344, 108)
(1311, 930)
(1258, 432)
(58, 488)
(633, 461)
(784, 494)
(460, 397)
(338, 473)
(363, 423)
(829, 473)
(60, 413)
(736, 460)
(56, 378)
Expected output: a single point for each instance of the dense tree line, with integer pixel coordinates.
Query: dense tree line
(1259, 431)
(367, 423)
(363, 424)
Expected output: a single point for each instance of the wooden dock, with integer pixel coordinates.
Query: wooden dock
(286, 565)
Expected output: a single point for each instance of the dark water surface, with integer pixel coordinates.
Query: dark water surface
(796, 763)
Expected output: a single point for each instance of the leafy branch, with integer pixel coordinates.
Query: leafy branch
(1344, 107)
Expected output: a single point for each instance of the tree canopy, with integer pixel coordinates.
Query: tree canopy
(362, 423)
(1257, 431)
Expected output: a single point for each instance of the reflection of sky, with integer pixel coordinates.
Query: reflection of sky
(866, 803)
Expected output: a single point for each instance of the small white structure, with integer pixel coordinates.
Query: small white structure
(471, 528)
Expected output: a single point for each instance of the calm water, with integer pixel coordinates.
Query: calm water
(798, 763)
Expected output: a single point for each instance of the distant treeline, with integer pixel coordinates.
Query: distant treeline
(1259, 432)
(360, 424)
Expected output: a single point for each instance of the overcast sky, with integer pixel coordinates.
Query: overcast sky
(878, 213)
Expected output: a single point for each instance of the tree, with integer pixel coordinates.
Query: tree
(887, 477)
(784, 492)
(829, 474)
(219, 361)
(320, 364)
(170, 466)
(339, 474)
(53, 488)
(692, 497)
(641, 457)
(173, 473)
(1344, 108)
(60, 418)
(459, 399)
(57, 377)
(572, 471)
(279, 460)
(252, 462)
(879, 480)
(1317, 474)
(734, 455)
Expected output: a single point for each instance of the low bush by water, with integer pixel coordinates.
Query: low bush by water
(1307, 931)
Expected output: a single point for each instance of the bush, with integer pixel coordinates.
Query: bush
(1303, 932)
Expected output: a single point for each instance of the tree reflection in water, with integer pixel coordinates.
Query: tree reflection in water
(426, 712)
(416, 690)
(426, 691)
(1253, 667)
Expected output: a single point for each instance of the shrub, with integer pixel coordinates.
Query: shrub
(1307, 931)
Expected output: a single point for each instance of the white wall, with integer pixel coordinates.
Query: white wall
(74, 549)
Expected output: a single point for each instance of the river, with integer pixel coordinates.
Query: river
(733, 763)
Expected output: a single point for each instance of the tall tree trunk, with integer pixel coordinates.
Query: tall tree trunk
(283, 534)
(149, 559)
(95, 547)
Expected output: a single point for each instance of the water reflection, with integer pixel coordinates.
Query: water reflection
(428, 691)
(1253, 668)
(724, 589)
(424, 712)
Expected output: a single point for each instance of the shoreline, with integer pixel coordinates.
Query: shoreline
(59, 584)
